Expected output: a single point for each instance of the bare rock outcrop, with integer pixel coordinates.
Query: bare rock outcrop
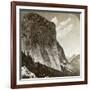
(38, 39)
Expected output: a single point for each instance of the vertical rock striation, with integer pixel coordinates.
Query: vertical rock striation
(38, 39)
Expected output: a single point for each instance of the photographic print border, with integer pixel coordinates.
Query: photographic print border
(14, 48)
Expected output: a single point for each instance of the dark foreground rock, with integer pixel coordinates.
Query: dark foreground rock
(41, 70)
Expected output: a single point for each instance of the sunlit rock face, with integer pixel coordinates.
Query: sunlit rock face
(38, 39)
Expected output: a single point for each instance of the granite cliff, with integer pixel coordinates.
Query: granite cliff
(38, 40)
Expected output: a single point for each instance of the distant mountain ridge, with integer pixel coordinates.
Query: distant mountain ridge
(75, 62)
(77, 56)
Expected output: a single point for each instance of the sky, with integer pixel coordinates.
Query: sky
(67, 29)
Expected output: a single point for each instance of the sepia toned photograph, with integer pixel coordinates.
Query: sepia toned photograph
(48, 44)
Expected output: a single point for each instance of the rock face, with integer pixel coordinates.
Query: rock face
(31, 69)
(38, 39)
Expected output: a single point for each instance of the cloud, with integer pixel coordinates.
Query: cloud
(66, 21)
(54, 20)
(62, 24)
(65, 30)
